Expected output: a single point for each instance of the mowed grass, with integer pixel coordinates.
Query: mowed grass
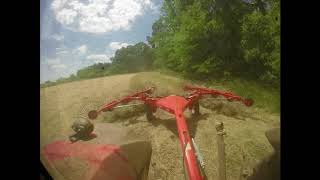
(60, 104)
(165, 84)
(244, 137)
(265, 97)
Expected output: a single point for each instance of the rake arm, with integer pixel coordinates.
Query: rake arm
(198, 92)
(176, 105)
(141, 95)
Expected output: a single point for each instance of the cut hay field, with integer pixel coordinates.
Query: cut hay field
(61, 104)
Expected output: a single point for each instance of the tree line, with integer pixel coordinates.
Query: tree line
(205, 39)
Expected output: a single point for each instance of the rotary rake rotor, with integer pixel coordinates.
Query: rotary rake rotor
(176, 105)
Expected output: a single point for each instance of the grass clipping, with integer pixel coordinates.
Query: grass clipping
(165, 85)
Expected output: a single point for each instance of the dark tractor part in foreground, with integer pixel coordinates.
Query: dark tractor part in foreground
(108, 156)
(82, 128)
(273, 136)
(269, 167)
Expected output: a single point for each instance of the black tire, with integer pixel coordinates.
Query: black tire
(87, 130)
(82, 129)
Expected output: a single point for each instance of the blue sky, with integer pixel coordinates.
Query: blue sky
(78, 33)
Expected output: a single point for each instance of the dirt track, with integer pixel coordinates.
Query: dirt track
(60, 104)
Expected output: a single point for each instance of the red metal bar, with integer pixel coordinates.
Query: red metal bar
(200, 91)
(176, 106)
(187, 148)
(136, 96)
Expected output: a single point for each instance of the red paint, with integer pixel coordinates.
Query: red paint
(103, 160)
(174, 103)
(64, 149)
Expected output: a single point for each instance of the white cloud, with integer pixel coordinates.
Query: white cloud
(53, 61)
(61, 48)
(117, 45)
(66, 16)
(82, 49)
(55, 64)
(61, 52)
(58, 66)
(77, 51)
(103, 58)
(99, 16)
(57, 37)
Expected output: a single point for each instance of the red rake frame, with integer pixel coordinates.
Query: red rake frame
(176, 105)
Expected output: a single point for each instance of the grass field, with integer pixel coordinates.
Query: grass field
(60, 104)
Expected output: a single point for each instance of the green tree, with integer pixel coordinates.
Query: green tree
(220, 37)
(138, 57)
(261, 42)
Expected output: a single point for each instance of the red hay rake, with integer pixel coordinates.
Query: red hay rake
(176, 105)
